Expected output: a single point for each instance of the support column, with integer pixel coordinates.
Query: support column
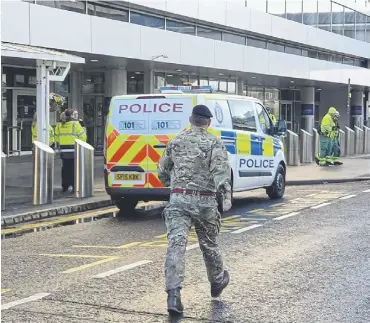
(76, 89)
(357, 109)
(239, 87)
(115, 82)
(149, 81)
(308, 108)
(42, 102)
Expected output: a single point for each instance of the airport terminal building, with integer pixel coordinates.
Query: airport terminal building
(299, 57)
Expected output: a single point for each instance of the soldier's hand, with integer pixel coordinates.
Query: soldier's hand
(226, 205)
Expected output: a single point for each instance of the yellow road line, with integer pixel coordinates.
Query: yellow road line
(230, 217)
(125, 246)
(3, 291)
(256, 211)
(59, 220)
(103, 259)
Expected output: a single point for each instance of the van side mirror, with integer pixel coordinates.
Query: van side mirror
(280, 128)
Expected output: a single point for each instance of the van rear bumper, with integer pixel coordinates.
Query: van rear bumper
(140, 194)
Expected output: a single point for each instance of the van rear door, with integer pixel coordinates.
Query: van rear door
(169, 116)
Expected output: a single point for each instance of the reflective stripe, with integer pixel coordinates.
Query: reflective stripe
(66, 150)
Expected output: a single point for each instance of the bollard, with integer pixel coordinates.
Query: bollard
(350, 141)
(43, 173)
(306, 141)
(366, 140)
(342, 143)
(292, 148)
(84, 169)
(359, 140)
(3, 172)
(315, 143)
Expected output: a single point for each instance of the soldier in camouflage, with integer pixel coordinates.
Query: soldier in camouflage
(195, 166)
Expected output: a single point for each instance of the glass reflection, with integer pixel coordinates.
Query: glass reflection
(209, 33)
(368, 29)
(294, 10)
(360, 26)
(337, 19)
(349, 23)
(310, 15)
(324, 9)
(180, 27)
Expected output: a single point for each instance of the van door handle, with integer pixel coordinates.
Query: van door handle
(160, 146)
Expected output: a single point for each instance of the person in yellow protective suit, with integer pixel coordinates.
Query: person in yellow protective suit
(34, 132)
(336, 145)
(66, 131)
(324, 158)
(272, 117)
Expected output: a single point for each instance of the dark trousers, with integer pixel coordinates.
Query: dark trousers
(68, 173)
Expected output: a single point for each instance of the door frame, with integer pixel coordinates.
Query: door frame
(16, 92)
(291, 122)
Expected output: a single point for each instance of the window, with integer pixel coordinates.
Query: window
(209, 33)
(293, 50)
(312, 54)
(348, 60)
(324, 9)
(146, 20)
(263, 118)
(275, 47)
(337, 59)
(108, 12)
(242, 114)
(233, 38)
(349, 23)
(294, 10)
(76, 6)
(324, 56)
(255, 42)
(310, 15)
(180, 27)
(360, 26)
(337, 18)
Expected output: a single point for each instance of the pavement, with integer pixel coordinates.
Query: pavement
(300, 259)
(19, 206)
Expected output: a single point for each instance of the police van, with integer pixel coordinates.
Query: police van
(139, 128)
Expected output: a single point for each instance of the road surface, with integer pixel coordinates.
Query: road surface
(301, 259)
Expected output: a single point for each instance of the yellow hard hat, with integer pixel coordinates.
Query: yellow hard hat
(332, 110)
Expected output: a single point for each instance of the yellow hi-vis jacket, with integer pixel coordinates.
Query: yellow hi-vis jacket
(273, 119)
(51, 134)
(65, 135)
(327, 125)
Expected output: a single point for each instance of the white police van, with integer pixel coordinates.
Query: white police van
(140, 126)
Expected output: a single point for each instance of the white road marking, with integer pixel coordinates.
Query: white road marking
(366, 191)
(123, 268)
(24, 300)
(286, 216)
(253, 226)
(320, 205)
(192, 246)
(347, 197)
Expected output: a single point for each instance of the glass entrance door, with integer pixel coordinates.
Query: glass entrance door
(93, 116)
(286, 113)
(24, 107)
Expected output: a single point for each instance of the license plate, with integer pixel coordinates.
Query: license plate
(128, 177)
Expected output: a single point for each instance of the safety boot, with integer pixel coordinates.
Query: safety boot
(216, 289)
(338, 163)
(174, 305)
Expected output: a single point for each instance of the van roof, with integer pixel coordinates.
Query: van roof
(169, 95)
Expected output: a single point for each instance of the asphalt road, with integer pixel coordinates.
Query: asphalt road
(302, 259)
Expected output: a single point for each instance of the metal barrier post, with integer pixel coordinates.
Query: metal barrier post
(306, 141)
(84, 169)
(18, 130)
(315, 143)
(350, 141)
(342, 142)
(3, 172)
(359, 140)
(292, 148)
(366, 140)
(43, 173)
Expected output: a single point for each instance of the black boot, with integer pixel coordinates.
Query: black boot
(174, 305)
(216, 289)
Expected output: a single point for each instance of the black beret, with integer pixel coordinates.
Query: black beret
(202, 111)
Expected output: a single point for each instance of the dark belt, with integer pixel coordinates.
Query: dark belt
(192, 192)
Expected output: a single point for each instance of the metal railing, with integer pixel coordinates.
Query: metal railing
(315, 143)
(291, 144)
(366, 140)
(306, 141)
(342, 143)
(350, 141)
(18, 131)
(43, 173)
(84, 169)
(359, 140)
(3, 172)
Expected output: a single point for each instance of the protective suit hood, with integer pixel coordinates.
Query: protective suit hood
(332, 111)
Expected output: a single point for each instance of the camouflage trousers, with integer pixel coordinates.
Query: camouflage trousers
(180, 214)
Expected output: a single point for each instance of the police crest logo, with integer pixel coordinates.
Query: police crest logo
(219, 114)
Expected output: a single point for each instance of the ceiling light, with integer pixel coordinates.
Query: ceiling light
(169, 75)
(291, 81)
(137, 73)
(178, 70)
(253, 77)
(221, 74)
(94, 60)
(318, 89)
(132, 77)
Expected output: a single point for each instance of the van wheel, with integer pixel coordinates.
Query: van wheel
(126, 204)
(277, 189)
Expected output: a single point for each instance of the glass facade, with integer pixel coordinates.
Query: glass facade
(328, 15)
(324, 14)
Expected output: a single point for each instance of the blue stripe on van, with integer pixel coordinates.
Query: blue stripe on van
(229, 140)
(256, 145)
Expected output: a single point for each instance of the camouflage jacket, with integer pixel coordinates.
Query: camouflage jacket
(196, 160)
